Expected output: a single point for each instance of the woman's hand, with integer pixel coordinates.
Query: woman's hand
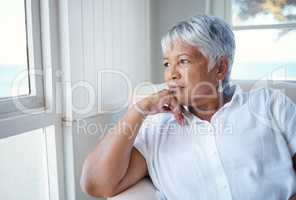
(162, 101)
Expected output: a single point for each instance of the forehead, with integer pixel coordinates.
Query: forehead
(178, 47)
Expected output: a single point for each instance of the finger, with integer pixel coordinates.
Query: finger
(164, 103)
(163, 93)
(165, 107)
(177, 110)
(159, 96)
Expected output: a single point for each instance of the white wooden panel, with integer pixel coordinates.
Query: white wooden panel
(99, 42)
(88, 38)
(76, 40)
(148, 40)
(125, 33)
(106, 34)
(121, 43)
(71, 54)
(141, 42)
(116, 27)
(135, 32)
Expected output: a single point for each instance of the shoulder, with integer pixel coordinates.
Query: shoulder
(261, 95)
(261, 92)
(266, 100)
(267, 94)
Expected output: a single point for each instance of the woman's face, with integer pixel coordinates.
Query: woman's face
(187, 75)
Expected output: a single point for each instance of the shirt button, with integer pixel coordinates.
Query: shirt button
(211, 130)
(224, 186)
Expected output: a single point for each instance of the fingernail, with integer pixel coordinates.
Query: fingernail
(182, 121)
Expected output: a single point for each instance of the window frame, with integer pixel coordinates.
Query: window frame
(41, 104)
(265, 26)
(228, 16)
(35, 99)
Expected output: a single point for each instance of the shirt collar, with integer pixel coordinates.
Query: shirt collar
(237, 96)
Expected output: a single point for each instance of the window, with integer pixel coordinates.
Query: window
(13, 49)
(24, 174)
(30, 132)
(21, 83)
(265, 33)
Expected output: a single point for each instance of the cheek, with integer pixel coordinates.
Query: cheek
(200, 83)
(197, 72)
(166, 75)
(192, 78)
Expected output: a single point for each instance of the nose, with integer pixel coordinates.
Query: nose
(174, 74)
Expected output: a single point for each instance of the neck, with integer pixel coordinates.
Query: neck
(207, 108)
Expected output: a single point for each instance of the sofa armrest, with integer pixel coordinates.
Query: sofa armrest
(143, 190)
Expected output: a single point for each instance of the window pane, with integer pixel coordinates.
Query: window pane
(23, 168)
(258, 12)
(13, 52)
(268, 53)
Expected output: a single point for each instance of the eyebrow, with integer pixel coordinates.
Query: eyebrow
(179, 55)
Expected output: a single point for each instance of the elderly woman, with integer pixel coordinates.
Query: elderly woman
(202, 138)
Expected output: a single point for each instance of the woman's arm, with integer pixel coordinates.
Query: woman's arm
(115, 164)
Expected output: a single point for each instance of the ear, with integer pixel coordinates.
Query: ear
(222, 68)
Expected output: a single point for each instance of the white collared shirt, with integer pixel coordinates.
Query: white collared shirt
(244, 153)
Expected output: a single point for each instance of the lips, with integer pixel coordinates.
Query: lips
(175, 87)
(174, 84)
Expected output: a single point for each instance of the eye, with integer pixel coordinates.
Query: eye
(166, 64)
(184, 61)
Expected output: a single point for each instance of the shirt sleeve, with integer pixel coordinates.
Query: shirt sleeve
(139, 143)
(283, 113)
(142, 141)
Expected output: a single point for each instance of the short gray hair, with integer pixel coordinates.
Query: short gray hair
(211, 35)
